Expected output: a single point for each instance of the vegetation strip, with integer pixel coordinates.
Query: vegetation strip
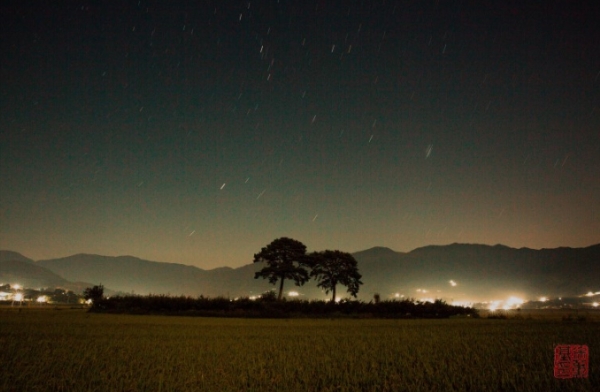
(54, 350)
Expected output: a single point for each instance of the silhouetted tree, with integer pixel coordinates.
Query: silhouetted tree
(286, 258)
(376, 298)
(268, 296)
(333, 267)
(94, 293)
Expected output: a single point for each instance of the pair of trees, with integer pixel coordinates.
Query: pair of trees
(286, 258)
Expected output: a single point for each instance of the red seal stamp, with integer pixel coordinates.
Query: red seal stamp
(571, 361)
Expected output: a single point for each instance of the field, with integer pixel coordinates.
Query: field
(72, 350)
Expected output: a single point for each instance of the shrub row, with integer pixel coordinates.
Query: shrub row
(268, 308)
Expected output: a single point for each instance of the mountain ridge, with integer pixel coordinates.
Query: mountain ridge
(476, 270)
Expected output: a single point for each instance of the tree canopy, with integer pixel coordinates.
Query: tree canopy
(285, 258)
(94, 294)
(333, 267)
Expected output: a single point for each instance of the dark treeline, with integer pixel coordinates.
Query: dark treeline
(268, 307)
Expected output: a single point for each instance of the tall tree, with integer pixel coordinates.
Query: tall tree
(333, 267)
(286, 258)
(95, 294)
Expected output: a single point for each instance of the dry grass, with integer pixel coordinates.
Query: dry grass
(66, 350)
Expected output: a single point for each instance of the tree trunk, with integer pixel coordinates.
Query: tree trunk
(333, 297)
(280, 288)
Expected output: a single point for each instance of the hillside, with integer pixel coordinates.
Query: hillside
(8, 255)
(466, 272)
(31, 275)
(133, 275)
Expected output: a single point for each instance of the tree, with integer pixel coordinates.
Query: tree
(94, 294)
(333, 267)
(286, 258)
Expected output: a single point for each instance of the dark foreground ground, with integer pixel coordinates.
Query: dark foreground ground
(54, 349)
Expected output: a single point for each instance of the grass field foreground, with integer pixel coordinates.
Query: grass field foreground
(67, 350)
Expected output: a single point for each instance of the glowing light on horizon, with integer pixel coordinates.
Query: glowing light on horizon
(510, 303)
(543, 299)
(293, 294)
(42, 299)
(461, 303)
(591, 294)
(514, 301)
(453, 283)
(595, 304)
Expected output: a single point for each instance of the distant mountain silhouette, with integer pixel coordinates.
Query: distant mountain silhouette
(482, 271)
(28, 274)
(130, 274)
(7, 255)
(452, 272)
(24, 272)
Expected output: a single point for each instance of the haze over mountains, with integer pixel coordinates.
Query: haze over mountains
(456, 272)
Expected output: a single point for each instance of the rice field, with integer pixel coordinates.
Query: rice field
(72, 350)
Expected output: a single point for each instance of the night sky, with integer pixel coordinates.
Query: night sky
(198, 132)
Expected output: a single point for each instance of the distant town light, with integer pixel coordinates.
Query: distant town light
(514, 301)
(461, 303)
(494, 305)
(293, 294)
(452, 283)
(16, 286)
(595, 304)
(42, 299)
(543, 299)
(18, 297)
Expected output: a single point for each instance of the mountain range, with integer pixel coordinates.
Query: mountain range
(456, 272)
